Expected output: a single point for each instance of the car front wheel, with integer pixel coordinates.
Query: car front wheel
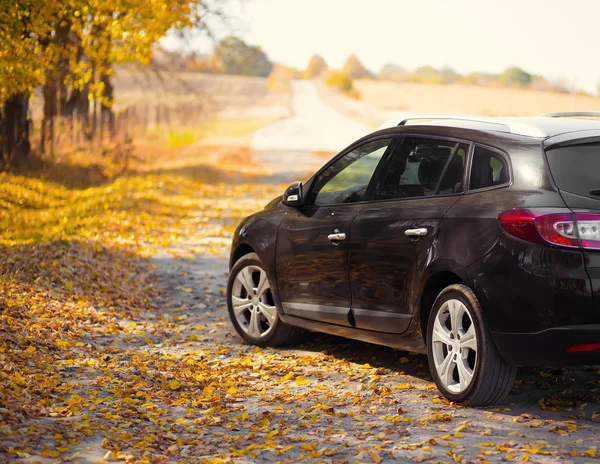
(252, 306)
(463, 360)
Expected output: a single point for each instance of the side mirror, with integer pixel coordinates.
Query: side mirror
(293, 195)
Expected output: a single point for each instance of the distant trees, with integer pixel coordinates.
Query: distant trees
(316, 67)
(511, 77)
(237, 57)
(340, 80)
(354, 69)
(515, 76)
(392, 72)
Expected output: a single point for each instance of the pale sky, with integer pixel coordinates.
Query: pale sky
(557, 39)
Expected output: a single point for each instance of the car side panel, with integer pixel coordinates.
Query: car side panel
(523, 287)
(385, 265)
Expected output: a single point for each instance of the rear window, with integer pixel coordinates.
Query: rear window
(576, 169)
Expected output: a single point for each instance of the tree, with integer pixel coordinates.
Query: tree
(392, 72)
(354, 69)
(70, 46)
(515, 76)
(340, 80)
(23, 26)
(316, 67)
(237, 57)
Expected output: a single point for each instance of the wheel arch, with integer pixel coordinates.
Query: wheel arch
(240, 250)
(432, 286)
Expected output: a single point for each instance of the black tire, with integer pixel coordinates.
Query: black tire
(280, 334)
(492, 377)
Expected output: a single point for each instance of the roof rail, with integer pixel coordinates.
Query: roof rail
(501, 125)
(403, 119)
(571, 114)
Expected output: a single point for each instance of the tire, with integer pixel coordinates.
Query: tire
(463, 360)
(253, 312)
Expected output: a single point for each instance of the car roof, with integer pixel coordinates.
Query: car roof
(540, 127)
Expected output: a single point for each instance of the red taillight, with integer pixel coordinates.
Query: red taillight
(584, 348)
(563, 229)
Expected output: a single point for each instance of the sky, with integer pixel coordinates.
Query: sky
(554, 38)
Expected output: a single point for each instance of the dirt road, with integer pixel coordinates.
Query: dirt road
(286, 146)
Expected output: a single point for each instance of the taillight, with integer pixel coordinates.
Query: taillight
(563, 229)
(584, 348)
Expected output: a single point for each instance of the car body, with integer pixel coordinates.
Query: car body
(500, 211)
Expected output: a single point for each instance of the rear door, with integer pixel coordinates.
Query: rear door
(575, 168)
(392, 235)
(312, 242)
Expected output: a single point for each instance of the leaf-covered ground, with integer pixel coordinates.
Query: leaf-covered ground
(115, 345)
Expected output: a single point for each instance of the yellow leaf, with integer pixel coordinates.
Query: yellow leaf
(591, 452)
(75, 399)
(405, 386)
(302, 381)
(174, 385)
(375, 457)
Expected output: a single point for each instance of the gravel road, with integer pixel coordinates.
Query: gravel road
(286, 147)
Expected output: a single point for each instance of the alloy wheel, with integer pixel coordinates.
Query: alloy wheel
(454, 343)
(252, 302)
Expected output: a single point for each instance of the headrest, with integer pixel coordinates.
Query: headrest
(454, 174)
(432, 164)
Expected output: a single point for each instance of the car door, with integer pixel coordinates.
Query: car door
(312, 241)
(392, 235)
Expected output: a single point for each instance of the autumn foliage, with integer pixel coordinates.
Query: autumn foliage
(70, 47)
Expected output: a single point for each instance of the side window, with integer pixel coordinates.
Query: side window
(419, 166)
(346, 180)
(488, 169)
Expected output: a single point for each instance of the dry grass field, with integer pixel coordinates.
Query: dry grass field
(490, 101)
(223, 95)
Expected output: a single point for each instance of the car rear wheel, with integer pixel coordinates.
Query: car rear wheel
(463, 360)
(252, 306)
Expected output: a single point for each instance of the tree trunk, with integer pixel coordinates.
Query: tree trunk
(107, 114)
(50, 93)
(15, 124)
(55, 89)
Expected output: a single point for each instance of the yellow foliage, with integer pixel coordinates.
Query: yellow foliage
(89, 36)
(339, 80)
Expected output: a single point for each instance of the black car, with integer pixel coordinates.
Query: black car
(474, 240)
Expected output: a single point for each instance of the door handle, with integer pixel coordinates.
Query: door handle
(336, 236)
(420, 232)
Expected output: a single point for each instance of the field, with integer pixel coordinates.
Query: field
(489, 101)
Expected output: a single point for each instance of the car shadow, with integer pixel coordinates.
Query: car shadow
(378, 356)
(571, 392)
